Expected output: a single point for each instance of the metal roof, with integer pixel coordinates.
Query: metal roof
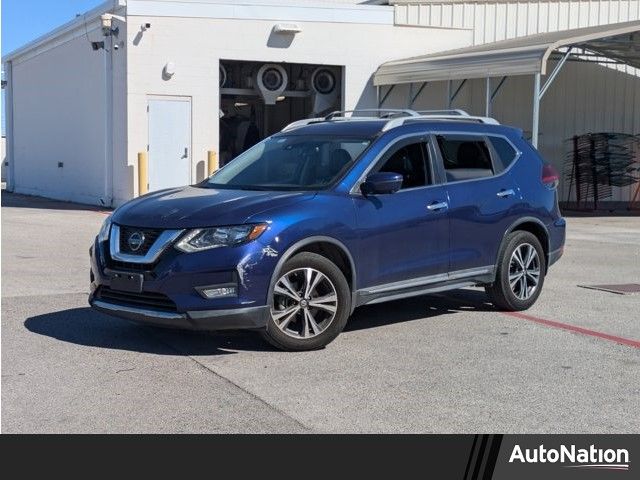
(518, 56)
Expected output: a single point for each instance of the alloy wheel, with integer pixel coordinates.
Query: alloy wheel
(305, 303)
(524, 271)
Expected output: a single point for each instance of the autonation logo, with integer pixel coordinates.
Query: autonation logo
(592, 457)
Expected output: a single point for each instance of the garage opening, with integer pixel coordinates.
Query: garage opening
(258, 99)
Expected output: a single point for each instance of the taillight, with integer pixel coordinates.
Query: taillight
(550, 176)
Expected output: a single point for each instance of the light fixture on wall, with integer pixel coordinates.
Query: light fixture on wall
(169, 70)
(106, 21)
(287, 28)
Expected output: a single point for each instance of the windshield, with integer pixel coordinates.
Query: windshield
(295, 162)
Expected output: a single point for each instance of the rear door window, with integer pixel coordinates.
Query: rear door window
(465, 157)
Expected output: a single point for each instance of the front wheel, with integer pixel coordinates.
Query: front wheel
(309, 305)
(520, 275)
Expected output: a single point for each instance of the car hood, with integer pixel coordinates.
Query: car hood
(192, 207)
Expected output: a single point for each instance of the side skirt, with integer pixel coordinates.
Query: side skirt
(423, 286)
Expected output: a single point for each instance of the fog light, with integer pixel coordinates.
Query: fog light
(218, 291)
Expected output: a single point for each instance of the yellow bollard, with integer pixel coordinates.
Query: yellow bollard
(212, 162)
(143, 173)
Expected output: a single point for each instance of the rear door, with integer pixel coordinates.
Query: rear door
(404, 235)
(484, 200)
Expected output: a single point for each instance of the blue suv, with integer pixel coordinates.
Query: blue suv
(331, 214)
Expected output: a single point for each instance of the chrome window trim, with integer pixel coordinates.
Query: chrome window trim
(355, 189)
(162, 242)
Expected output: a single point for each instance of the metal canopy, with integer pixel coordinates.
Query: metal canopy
(619, 42)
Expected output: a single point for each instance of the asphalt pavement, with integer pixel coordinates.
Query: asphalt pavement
(440, 363)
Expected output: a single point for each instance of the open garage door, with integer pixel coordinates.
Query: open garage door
(258, 99)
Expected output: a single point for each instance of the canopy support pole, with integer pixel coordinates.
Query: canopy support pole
(412, 97)
(384, 98)
(535, 124)
(455, 94)
(497, 89)
(554, 73)
(538, 93)
(487, 97)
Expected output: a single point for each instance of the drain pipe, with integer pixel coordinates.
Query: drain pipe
(107, 198)
(8, 105)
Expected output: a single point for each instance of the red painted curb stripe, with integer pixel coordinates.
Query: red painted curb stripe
(573, 328)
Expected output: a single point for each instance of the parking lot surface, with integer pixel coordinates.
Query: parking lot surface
(439, 363)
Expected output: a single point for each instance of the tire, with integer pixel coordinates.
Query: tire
(508, 291)
(303, 319)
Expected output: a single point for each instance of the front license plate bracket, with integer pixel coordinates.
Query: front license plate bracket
(127, 282)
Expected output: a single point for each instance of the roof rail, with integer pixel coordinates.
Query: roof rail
(302, 123)
(396, 122)
(455, 111)
(382, 113)
(396, 117)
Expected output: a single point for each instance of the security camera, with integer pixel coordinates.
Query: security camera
(146, 26)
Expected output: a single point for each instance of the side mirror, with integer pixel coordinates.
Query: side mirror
(382, 183)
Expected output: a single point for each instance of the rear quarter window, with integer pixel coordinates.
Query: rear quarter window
(505, 153)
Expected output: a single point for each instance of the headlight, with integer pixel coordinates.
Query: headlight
(206, 238)
(103, 234)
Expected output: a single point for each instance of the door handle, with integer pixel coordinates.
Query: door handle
(186, 152)
(505, 193)
(434, 207)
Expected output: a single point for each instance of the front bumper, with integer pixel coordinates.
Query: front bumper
(170, 293)
(230, 319)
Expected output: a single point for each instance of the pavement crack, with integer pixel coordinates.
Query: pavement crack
(236, 385)
(125, 370)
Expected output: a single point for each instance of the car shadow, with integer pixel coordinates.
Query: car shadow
(87, 327)
(18, 200)
(415, 308)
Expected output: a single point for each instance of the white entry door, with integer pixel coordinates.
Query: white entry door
(169, 142)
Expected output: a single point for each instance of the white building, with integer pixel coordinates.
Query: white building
(84, 100)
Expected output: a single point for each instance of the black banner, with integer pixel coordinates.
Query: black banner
(459, 457)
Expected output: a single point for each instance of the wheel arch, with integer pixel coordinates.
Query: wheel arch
(314, 244)
(534, 226)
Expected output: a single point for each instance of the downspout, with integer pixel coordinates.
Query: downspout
(8, 98)
(107, 197)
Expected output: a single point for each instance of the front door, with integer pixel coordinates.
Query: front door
(169, 142)
(404, 235)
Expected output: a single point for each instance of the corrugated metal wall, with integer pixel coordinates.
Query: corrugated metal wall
(584, 97)
(498, 20)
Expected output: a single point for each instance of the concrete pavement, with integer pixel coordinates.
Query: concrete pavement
(439, 363)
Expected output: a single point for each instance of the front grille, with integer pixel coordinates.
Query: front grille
(143, 300)
(150, 236)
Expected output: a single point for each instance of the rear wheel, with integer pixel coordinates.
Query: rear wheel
(520, 275)
(310, 304)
